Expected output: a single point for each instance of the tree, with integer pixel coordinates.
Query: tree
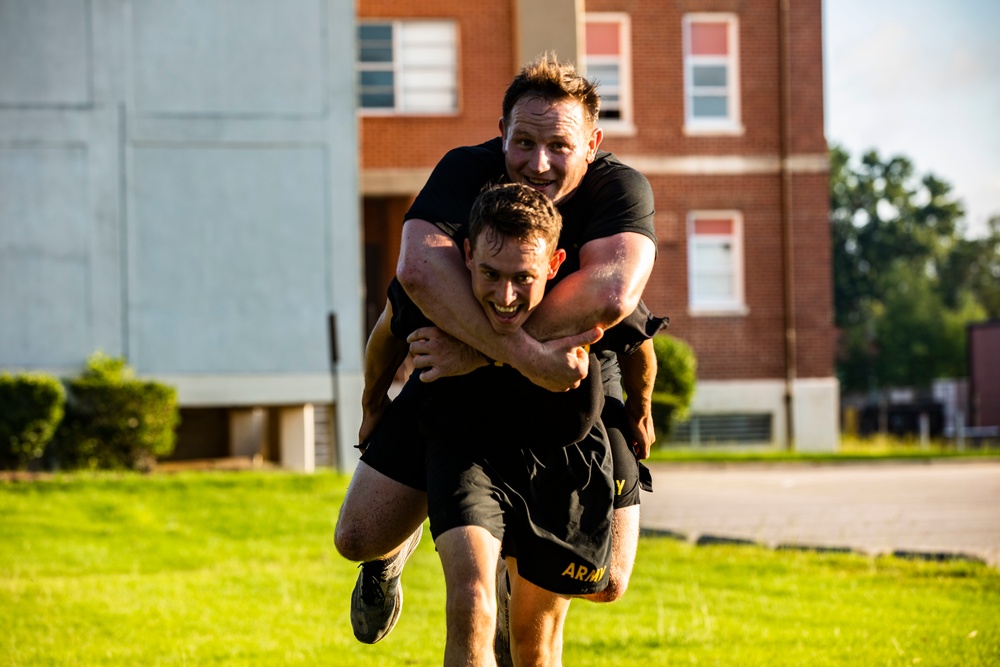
(906, 279)
(973, 267)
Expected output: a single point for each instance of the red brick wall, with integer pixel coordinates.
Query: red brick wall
(813, 275)
(485, 67)
(732, 347)
(807, 77)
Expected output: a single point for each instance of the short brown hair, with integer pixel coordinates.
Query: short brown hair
(549, 79)
(514, 211)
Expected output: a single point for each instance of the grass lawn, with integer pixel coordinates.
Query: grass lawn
(239, 569)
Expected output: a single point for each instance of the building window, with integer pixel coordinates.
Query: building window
(407, 67)
(711, 74)
(715, 262)
(608, 61)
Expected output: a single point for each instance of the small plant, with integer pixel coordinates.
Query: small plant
(114, 420)
(673, 388)
(31, 407)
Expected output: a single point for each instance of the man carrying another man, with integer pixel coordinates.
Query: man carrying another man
(550, 143)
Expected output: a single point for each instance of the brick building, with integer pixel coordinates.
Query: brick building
(718, 102)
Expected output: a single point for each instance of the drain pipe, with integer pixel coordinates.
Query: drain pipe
(787, 251)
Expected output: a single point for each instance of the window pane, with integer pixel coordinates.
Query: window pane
(713, 256)
(709, 39)
(381, 31)
(708, 75)
(605, 74)
(713, 288)
(703, 226)
(709, 106)
(376, 54)
(428, 100)
(602, 39)
(428, 55)
(377, 79)
(427, 32)
(417, 79)
(377, 100)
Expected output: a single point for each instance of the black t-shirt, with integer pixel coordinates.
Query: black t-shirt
(612, 198)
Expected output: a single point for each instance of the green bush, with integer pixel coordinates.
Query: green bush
(676, 374)
(31, 407)
(114, 420)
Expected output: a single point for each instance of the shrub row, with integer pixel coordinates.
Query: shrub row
(105, 418)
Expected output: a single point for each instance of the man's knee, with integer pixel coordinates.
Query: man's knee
(350, 541)
(377, 515)
(624, 543)
(469, 601)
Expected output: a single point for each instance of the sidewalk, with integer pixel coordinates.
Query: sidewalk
(943, 509)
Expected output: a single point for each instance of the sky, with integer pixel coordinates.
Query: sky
(919, 78)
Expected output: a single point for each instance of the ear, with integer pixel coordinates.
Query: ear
(558, 257)
(468, 255)
(503, 134)
(596, 135)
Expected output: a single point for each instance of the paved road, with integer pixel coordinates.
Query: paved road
(933, 509)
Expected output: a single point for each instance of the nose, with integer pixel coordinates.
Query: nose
(505, 293)
(539, 161)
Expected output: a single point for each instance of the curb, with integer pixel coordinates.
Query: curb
(708, 539)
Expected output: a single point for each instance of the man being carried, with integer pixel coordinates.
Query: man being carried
(509, 462)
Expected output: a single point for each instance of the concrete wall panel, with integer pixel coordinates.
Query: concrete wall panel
(45, 51)
(229, 57)
(44, 256)
(229, 253)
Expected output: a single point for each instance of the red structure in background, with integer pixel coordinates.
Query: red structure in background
(984, 374)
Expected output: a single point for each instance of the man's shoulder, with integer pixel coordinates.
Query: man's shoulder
(487, 151)
(607, 166)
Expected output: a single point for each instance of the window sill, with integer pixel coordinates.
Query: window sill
(391, 113)
(618, 128)
(718, 311)
(714, 130)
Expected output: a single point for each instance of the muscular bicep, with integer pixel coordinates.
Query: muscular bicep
(621, 265)
(606, 288)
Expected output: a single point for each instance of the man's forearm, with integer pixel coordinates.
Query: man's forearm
(638, 375)
(383, 355)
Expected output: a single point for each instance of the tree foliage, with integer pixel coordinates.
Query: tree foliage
(906, 277)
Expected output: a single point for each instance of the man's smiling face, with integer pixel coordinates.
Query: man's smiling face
(509, 280)
(549, 145)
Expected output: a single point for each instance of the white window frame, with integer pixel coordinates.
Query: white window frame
(404, 72)
(732, 123)
(736, 305)
(623, 125)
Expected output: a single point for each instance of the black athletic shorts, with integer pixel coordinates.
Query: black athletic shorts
(397, 448)
(628, 470)
(550, 507)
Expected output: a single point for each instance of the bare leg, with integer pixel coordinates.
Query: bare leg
(377, 516)
(469, 558)
(537, 617)
(624, 544)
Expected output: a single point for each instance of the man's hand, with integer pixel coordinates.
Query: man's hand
(441, 355)
(640, 422)
(560, 364)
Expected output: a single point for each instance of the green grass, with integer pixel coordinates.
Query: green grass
(239, 569)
